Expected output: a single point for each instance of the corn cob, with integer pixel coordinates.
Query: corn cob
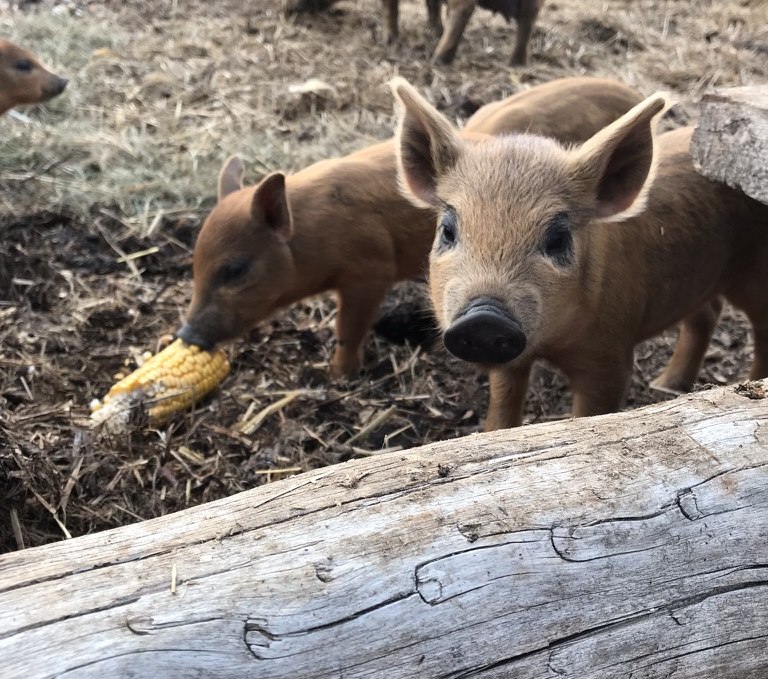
(167, 383)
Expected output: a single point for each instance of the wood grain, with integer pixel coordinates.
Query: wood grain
(730, 142)
(633, 544)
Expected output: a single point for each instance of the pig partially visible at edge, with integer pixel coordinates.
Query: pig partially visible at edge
(23, 79)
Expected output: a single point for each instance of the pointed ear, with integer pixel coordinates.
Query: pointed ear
(426, 144)
(615, 168)
(231, 176)
(270, 205)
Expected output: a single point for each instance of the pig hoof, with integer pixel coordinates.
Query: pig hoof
(444, 58)
(669, 388)
(435, 30)
(341, 371)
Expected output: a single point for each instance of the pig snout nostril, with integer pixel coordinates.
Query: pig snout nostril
(485, 332)
(55, 86)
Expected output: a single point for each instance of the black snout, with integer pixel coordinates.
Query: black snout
(485, 332)
(190, 335)
(55, 87)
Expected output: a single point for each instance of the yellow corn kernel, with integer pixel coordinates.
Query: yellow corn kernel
(167, 383)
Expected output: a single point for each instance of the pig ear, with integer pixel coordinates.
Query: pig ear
(270, 205)
(231, 176)
(426, 143)
(616, 166)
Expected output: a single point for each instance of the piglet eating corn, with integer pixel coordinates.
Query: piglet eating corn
(168, 383)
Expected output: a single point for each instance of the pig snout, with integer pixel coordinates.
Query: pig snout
(60, 85)
(485, 332)
(55, 86)
(191, 335)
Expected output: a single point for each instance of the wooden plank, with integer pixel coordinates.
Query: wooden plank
(730, 142)
(633, 544)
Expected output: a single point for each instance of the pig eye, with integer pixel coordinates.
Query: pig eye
(23, 65)
(447, 229)
(233, 272)
(558, 240)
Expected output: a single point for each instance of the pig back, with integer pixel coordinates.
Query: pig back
(364, 216)
(570, 110)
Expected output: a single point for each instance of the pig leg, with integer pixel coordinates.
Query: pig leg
(525, 21)
(459, 12)
(600, 384)
(760, 361)
(435, 20)
(358, 308)
(747, 291)
(509, 387)
(758, 316)
(695, 334)
(390, 16)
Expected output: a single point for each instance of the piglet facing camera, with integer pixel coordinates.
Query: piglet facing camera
(574, 255)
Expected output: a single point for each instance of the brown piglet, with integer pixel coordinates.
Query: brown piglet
(573, 255)
(23, 79)
(342, 224)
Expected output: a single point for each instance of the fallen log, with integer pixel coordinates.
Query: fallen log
(633, 544)
(730, 142)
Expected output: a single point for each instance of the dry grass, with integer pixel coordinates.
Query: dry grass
(163, 91)
(126, 161)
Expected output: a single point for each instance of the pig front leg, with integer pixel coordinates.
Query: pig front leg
(509, 387)
(695, 334)
(759, 369)
(357, 310)
(526, 18)
(391, 20)
(600, 381)
(435, 24)
(459, 13)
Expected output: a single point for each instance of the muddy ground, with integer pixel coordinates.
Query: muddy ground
(125, 163)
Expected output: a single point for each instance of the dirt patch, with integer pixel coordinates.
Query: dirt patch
(125, 164)
(752, 390)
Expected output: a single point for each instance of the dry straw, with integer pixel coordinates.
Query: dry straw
(162, 92)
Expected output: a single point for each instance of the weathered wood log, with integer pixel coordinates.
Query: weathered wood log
(633, 544)
(730, 142)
